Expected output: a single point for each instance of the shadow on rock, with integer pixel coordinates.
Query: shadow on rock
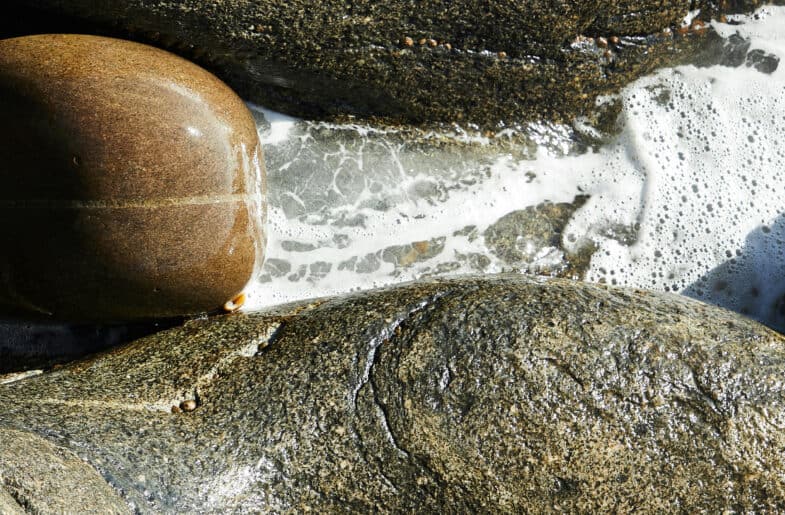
(752, 280)
(33, 345)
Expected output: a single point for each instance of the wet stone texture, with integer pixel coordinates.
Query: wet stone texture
(130, 182)
(469, 395)
(532, 239)
(41, 477)
(9, 505)
(463, 61)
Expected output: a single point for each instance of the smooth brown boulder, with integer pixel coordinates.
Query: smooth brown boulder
(131, 182)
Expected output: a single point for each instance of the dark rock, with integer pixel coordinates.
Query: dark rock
(28, 345)
(501, 394)
(462, 61)
(735, 51)
(130, 182)
(762, 61)
(523, 237)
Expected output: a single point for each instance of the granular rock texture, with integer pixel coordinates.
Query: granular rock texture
(532, 239)
(130, 182)
(470, 395)
(44, 478)
(402, 60)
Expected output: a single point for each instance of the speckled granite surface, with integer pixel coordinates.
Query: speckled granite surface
(499, 394)
(465, 61)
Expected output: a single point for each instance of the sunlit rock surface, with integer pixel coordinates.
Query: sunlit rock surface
(131, 183)
(474, 395)
(401, 60)
(42, 477)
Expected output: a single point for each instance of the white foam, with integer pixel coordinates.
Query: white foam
(711, 165)
(697, 172)
(280, 125)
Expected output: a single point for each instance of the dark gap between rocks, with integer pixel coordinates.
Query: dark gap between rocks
(26, 345)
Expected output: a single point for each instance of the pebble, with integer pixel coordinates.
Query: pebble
(188, 405)
(130, 182)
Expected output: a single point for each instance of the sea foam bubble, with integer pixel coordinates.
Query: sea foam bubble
(685, 198)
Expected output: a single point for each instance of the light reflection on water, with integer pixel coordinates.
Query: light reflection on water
(686, 197)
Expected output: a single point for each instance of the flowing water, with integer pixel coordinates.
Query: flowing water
(685, 195)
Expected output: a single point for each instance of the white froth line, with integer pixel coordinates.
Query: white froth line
(18, 376)
(280, 125)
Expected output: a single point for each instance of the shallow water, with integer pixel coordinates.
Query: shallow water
(685, 196)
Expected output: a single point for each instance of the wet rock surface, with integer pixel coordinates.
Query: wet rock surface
(129, 179)
(8, 504)
(41, 477)
(466, 62)
(494, 394)
(532, 239)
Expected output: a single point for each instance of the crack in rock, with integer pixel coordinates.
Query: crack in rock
(249, 350)
(384, 335)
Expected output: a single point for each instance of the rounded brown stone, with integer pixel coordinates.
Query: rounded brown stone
(131, 182)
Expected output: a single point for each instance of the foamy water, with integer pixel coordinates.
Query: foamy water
(687, 197)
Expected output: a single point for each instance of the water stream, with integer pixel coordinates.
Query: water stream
(684, 196)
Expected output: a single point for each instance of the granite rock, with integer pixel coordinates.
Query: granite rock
(496, 394)
(45, 478)
(8, 504)
(463, 61)
(533, 240)
(131, 182)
